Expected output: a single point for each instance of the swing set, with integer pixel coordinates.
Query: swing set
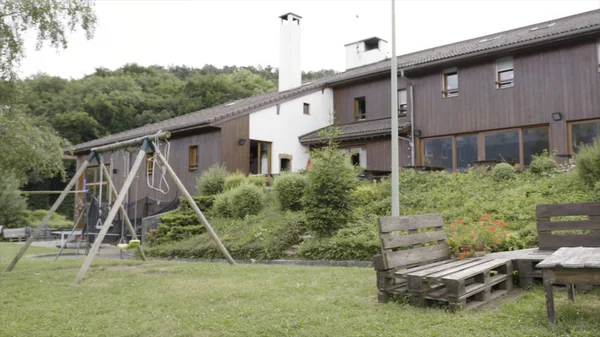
(147, 145)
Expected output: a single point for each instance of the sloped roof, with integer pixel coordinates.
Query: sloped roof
(588, 22)
(205, 116)
(357, 130)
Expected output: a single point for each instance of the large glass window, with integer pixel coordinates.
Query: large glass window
(584, 133)
(502, 146)
(535, 141)
(438, 153)
(466, 151)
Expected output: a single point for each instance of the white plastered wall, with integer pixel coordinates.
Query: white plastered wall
(283, 129)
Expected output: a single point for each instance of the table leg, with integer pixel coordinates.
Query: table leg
(571, 291)
(547, 273)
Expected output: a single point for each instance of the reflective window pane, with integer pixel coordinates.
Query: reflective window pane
(502, 146)
(451, 82)
(466, 151)
(584, 133)
(438, 153)
(535, 141)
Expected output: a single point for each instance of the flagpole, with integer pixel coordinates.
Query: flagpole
(394, 112)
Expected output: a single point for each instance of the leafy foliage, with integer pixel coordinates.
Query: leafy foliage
(588, 163)
(503, 171)
(12, 204)
(57, 221)
(234, 180)
(51, 19)
(244, 200)
(212, 181)
(330, 180)
(542, 163)
(290, 189)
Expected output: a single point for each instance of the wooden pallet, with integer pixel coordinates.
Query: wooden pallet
(462, 284)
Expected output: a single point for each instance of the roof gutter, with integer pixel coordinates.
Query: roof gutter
(478, 54)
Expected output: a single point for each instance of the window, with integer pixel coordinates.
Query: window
(438, 153)
(356, 159)
(260, 157)
(535, 141)
(503, 146)
(358, 156)
(285, 165)
(360, 112)
(450, 83)
(466, 151)
(149, 164)
(306, 109)
(402, 102)
(584, 133)
(193, 158)
(371, 44)
(505, 74)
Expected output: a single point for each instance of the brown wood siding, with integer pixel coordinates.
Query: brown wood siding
(379, 154)
(563, 79)
(377, 100)
(209, 151)
(233, 155)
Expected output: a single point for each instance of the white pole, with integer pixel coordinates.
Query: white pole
(394, 138)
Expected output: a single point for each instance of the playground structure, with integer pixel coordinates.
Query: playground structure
(147, 145)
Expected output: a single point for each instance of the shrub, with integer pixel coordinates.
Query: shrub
(503, 171)
(260, 181)
(57, 221)
(588, 163)
(234, 180)
(204, 202)
(327, 199)
(290, 188)
(597, 191)
(211, 181)
(246, 199)
(221, 206)
(542, 163)
(176, 225)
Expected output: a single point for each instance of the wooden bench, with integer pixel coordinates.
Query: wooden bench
(16, 234)
(415, 260)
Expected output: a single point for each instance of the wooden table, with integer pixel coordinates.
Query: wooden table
(570, 266)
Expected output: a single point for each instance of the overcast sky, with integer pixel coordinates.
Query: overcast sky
(228, 32)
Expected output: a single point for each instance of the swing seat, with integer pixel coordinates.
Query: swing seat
(130, 245)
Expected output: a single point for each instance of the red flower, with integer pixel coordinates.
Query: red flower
(459, 222)
(485, 223)
(460, 256)
(484, 217)
(492, 229)
(453, 228)
(472, 236)
(502, 224)
(497, 239)
(504, 233)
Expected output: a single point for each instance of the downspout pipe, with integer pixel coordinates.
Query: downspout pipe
(413, 159)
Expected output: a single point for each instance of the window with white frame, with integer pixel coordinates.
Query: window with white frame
(402, 102)
(505, 73)
(450, 83)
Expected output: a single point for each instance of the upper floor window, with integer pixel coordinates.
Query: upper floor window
(360, 111)
(193, 158)
(402, 102)
(306, 109)
(505, 74)
(450, 83)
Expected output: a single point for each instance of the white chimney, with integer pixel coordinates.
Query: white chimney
(290, 74)
(366, 51)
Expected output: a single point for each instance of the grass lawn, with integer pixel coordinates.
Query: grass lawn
(130, 298)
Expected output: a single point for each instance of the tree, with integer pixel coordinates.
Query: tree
(50, 18)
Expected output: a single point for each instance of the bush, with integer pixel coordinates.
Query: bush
(222, 204)
(57, 221)
(211, 182)
(260, 181)
(204, 202)
(588, 163)
(176, 225)
(246, 199)
(290, 188)
(327, 199)
(503, 172)
(234, 180)
(542, 163)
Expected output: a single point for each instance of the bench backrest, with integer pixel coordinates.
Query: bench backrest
(412, 240)
(11, 233)
(549, 241)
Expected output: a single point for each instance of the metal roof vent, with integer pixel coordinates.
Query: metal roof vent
(542, 27)
(491, 38)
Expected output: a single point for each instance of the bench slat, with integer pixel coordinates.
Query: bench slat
(401, 223)
(550, 210)
(416, 255)
(478, 269)
(411, 239)
(439, 275)
(553, 242)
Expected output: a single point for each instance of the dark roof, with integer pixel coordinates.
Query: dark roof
(563, 27)
(357, 130)
(560, 28)
(206, 116)
(284, 16)
(374, 38)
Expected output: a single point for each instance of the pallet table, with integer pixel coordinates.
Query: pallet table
(569, 266)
